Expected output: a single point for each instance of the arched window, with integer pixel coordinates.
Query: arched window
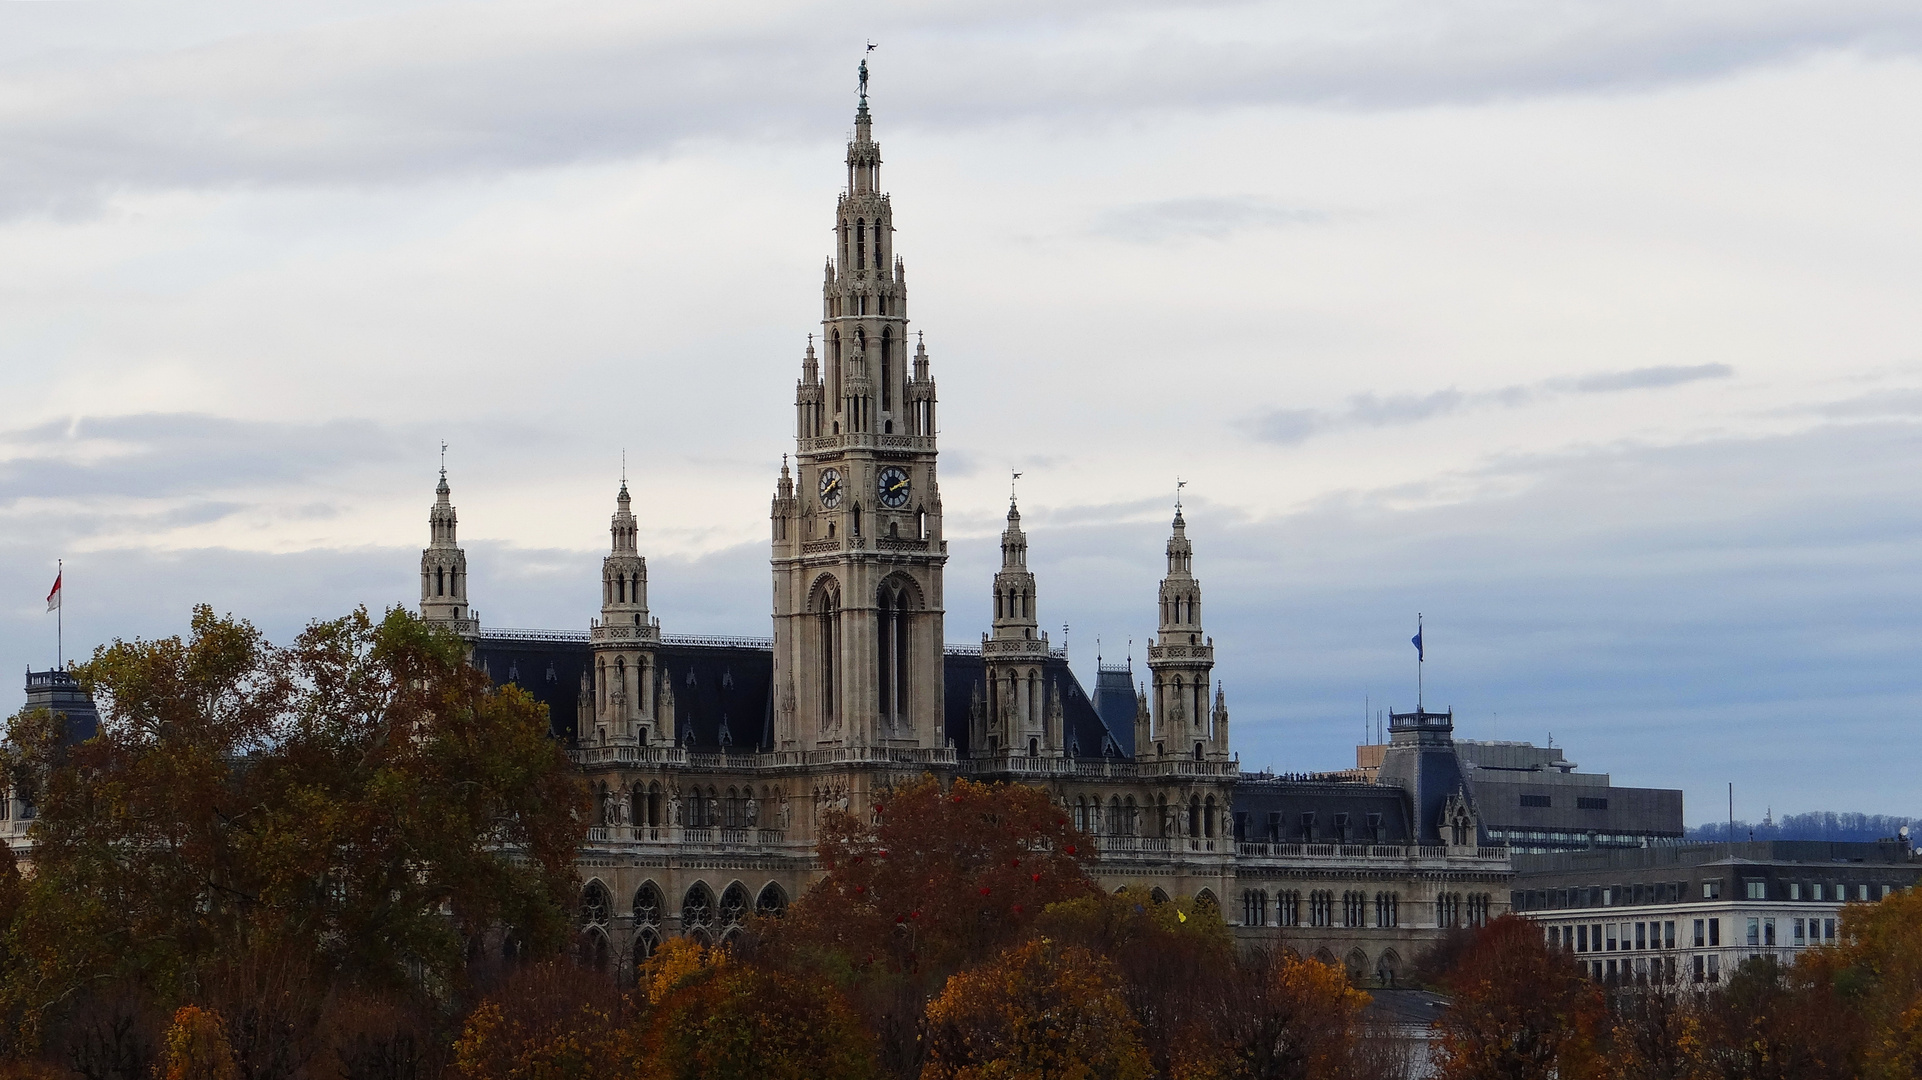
(1129, 817)
(697, 909)
(1194, 815)
(648, 905)
(891, 648)
(596, 905)
(827, 636)
(860, 242)
(440, 581)
(1210, 812)
(772, 903)
(887, 363)
(733, 907)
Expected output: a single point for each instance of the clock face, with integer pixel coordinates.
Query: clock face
(830, 488)
(894, 487)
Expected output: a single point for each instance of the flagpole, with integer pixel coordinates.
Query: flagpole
(60, 617)
(1421, 654)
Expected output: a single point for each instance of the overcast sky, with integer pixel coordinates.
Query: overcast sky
(1589, 330)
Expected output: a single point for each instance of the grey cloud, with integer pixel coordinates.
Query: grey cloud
(1211, 218)
(1287, 427)
(1649, 378)
(1882, 403)
(1644, 604)
(404, 95)
(157, 455)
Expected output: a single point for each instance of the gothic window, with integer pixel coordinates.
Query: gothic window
(440, 580)
(772, 902)
(648, 905)
(595, 904)
(834, 367)
(1161, 816)
(997, 604)
(1210, 812)
(1081, 813)
(1114, 816)
(1387, 909)
(1129, 817)
(887, 369)
(828, 643)
(1321, 908)
(891, 646)
(733, 907)
(697, 910)
(1194, 815)
(1254, 908)
(1354, 909)
(860, 242)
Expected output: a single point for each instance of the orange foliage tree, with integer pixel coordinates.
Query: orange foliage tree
(939, 878)
(738, 1021)
(197, 1047)
(547, 1021)
(1521, 1011)
(1040, 1010)
(1877, 967)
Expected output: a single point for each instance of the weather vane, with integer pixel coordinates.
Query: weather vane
(1179, 484)
(864, 75)
(443, 457)
(1017, 476)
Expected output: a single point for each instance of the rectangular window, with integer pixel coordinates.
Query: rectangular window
(1714, 933)
(1714, 966)
(1611, 936)
(1591, 804)
(1698, 969)
(1815, 891)
(1595, 937)
(1537, 800)
(1641, 935)
(1768, 931)
(1757, 890)
(1611, 969)
(1581, 939)
(1755, 931)
(1861, 892)
(1554, 937)
(1699, 928)
(1797, 929)
(1668, 934)
(1795, 890)
(1711, 890)
(1828, 929)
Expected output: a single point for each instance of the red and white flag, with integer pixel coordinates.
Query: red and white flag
(53, 597)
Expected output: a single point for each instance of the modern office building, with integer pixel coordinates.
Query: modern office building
(1693, 912)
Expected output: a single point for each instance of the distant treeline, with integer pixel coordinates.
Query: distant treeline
(1817, 825)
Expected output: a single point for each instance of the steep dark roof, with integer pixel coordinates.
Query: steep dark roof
(1082, 728)
(1277, 810)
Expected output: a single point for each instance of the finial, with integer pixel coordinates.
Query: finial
(1017, 476)
(443, 459)
(1179, 484)
(623, 466)
(864, 76)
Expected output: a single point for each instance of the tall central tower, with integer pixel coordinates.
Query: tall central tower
(857, 548)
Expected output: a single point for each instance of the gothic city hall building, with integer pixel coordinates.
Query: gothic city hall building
(714, 759)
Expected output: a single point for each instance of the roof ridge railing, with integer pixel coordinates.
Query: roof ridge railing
(513, 633)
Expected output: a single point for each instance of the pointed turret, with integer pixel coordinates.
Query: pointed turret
(1181, 658)
(443, 567)
(1015, 655)
(623, 638)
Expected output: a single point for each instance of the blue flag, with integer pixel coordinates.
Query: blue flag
(1416, 640)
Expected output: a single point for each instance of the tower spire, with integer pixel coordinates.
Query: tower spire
(443, 565)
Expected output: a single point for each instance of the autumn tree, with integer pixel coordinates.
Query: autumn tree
(931, 881)
(545, 1021)
(1877, 969)
(1041, 1010)
(1775, 1022)
(1291, 1018)
(1521, 1010)
(1177, 967)
(739, 1021)
(358, 805)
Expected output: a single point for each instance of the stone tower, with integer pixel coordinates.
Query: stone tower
(625, 697)
(443, 569)
(857, 548)
(1181, 658)
(1014, 719)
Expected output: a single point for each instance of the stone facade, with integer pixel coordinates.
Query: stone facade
(714, 759)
